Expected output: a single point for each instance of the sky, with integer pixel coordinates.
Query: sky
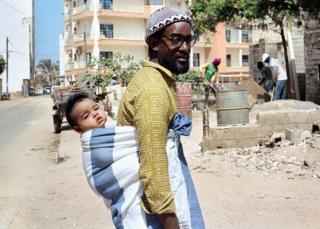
(49, 23)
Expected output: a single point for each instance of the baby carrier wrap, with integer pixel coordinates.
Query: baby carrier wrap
(111, 165)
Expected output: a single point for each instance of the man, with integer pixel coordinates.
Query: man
(281, 76)
(208, 75)
(266, 80)
(149, 104)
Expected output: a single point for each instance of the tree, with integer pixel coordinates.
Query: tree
(103, 69)
(246, 13)
(2, 64)
(47, 71)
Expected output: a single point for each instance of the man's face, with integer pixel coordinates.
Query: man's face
(173, 57)
(87, 115)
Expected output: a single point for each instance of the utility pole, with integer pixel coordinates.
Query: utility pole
(85, 48)
(7, 66)
(32, 51)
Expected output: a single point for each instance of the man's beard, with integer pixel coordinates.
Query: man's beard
(175, 67)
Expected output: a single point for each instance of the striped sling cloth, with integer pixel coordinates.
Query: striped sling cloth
(111, 165)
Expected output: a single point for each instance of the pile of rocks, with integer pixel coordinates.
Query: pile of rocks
(274, 154)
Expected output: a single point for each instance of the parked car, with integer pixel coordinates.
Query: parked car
(47, 90)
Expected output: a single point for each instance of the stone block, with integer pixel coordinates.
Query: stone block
(293, 135)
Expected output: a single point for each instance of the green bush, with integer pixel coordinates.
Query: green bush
(194, 77)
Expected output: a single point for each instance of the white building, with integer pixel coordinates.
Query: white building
(94, 28)
(16, 25)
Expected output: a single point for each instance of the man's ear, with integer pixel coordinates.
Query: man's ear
(153, 43)
(77, 129)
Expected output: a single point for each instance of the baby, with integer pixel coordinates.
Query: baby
(83, 113)
(110, 161)
(110, 158)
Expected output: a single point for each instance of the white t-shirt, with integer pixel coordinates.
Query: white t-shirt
(281, 73)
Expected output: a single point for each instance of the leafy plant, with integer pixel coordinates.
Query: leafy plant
(194, 77)
(103, 69)
(2, 64)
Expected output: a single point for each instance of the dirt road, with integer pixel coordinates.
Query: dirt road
(36, 192)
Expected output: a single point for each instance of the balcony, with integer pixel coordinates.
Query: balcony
(82, 11)
(69, 67)
(237, 45)
(67, 19)
(78, 40)
(125, 11)
(120, 42)
(204, 41)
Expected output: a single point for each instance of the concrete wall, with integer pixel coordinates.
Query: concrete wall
(268, 121)
(312, 60)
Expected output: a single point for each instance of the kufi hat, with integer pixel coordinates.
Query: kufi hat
(264, 57)
(163, 17)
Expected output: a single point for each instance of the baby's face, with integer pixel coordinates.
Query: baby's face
(88, 115)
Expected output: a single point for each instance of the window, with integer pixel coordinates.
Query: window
(228, 35)
(155, 2)
(88, 57)
(106, 4)
(107, 55)
(196, 59)
(74, 4)
(106, 30)
(245, 60)
(228, 60)
(245, 37)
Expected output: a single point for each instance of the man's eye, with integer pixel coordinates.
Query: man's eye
(175, 40)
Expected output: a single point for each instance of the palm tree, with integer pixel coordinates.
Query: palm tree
(47, 71)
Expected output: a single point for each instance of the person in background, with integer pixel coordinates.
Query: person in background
(149, 104)
(266, 78)
(114, 80)
(281, 76)
(209, 76)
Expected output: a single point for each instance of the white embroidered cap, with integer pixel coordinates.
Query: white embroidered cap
(163, 17)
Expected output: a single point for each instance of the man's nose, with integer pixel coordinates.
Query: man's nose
(185, 47)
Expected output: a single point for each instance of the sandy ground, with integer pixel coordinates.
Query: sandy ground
(37, 192)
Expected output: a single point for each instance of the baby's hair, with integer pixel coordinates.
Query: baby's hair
(72, 101)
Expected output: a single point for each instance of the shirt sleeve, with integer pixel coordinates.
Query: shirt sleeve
(151, 119)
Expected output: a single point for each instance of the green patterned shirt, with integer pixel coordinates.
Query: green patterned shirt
(149, 104)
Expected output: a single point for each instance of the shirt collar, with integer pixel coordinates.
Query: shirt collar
(166, 72)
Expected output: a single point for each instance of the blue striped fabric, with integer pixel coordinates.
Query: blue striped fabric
(111, 164)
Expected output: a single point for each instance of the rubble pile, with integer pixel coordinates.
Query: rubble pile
(272, 155)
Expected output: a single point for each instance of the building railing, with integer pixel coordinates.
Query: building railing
(69, 67)
(81, 8)
(231, 78)
(80, 37)
(80, 64)
(123, 7)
